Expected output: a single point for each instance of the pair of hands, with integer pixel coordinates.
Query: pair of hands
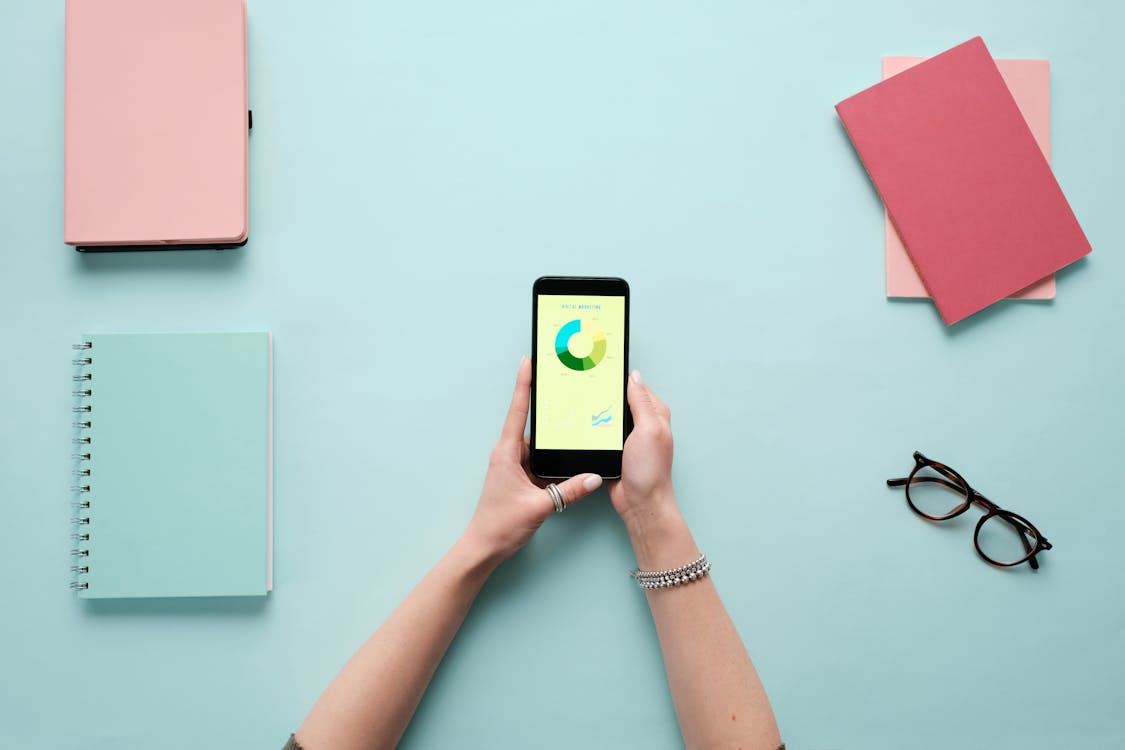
(514, 503)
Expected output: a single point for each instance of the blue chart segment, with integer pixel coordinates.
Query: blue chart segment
(580, 345)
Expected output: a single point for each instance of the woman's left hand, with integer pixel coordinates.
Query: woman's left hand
(514, 503)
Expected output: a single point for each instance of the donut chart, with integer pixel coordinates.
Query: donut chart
(580, 345)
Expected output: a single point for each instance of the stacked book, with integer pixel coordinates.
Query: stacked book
(958, 147)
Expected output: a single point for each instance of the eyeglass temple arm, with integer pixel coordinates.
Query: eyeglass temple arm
(1026, 545)
(1025, 530)
(906, 480)
(1022, 532)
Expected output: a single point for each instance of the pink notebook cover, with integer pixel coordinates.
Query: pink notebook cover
(1030, 84)
(965, 184)
(156, 122)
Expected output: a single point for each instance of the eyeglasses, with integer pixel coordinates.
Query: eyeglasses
(937, 492)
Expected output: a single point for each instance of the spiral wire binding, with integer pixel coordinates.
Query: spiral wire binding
(81, 507)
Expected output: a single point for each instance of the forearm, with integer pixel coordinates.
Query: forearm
(719, 700)
(369, 703)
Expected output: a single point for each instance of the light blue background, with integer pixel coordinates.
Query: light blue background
(414, 167)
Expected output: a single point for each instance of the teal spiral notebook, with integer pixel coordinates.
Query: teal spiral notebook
(173, 465)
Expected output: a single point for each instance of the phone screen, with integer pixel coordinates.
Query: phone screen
(580, 372)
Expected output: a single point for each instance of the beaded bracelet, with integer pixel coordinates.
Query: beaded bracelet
(659, 579)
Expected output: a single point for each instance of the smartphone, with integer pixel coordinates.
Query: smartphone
(579, 363)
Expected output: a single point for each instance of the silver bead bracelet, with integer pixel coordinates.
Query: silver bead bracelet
(659, 579)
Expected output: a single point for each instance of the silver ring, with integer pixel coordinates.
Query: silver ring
(556, 498)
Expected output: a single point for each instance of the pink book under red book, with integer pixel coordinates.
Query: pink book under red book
(1030, 84)
(967, 187)
(156, 123)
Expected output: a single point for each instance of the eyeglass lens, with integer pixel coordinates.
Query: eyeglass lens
(1003, 540)
(935, 494)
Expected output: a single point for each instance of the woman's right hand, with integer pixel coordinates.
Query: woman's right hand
(645, 488)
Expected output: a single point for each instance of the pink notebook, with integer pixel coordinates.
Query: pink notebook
(963, 179)
(156, 124)
(1030, 84)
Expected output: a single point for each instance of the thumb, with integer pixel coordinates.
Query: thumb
(640, 400)
(578, 487)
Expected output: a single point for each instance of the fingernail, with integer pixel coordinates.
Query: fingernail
(636, 377)
(523, 358)
(592, 482)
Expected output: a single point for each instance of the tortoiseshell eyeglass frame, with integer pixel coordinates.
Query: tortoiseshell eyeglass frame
(1033, 541)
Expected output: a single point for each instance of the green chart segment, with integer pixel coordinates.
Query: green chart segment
(580, 345)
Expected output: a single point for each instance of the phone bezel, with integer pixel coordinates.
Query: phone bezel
(562, 464)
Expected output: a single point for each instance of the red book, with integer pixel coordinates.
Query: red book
(968, 189)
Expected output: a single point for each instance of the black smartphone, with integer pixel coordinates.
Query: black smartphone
(579, 363)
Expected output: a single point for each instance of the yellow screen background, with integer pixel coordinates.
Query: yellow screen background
(571, 406)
